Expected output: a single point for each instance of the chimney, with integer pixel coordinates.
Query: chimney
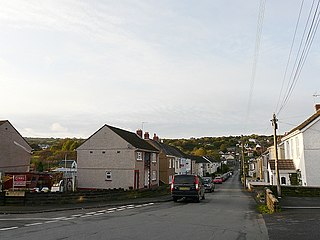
(155, 137)
(139, 133)
(146, 135)
(317, 106)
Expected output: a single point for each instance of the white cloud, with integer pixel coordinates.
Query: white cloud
(57, 127)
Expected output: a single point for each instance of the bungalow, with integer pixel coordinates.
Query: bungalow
(286, 168)
(116, 158)
(15, 152)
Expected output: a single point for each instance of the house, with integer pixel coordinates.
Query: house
(201, 165)
(15, 152)
(67, 167)
(171, 160)
(116, 158)
(213, 164)
(302, 145)
(286, 168)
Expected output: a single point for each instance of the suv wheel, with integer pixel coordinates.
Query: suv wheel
(203, 197)
(175, 199)
(197, 199)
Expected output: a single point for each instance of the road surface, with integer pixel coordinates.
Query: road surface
(227, 213)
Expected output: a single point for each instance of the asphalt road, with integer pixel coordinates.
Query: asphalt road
(294, 224)
(228, 213)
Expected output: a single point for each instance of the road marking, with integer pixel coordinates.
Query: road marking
(138, 206)
(70, 218)
(83, 216)
(9, 228)
(130, 207)
(33, 224)
(101, 211)
(97, 214)
(52, 221)
(110, 211)
(76, 215)
(59, 218)
(120, 209)
(91, 213)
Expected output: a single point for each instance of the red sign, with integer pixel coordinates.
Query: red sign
(19, 180)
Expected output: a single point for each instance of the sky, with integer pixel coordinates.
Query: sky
(179, 69)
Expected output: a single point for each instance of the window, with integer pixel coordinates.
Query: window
(154, 175)
(297, 147)
(139, 156)
(177, 164)
(169, 163)
(283, 180)
(154, 157)
(91, 151)
(108, 176)
(103, 152)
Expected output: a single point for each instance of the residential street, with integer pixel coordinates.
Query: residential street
(228, 213)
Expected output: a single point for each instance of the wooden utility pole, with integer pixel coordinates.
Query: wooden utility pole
(275, 127)
(243, 164)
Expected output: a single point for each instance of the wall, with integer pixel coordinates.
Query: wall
(312, 154)
(106, 151)
(13, 158)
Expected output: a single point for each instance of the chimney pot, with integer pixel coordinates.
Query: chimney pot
(317, 106)
(146, 135)
(155, 137)
(139, 133)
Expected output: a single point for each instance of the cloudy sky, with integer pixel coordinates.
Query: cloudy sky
(178, 68)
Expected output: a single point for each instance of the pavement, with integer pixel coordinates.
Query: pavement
(63, 207)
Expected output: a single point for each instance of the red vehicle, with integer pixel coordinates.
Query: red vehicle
(218, 180)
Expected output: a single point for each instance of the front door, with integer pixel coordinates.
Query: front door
(136, 179)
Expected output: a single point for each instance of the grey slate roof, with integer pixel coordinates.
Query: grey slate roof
(198, 159)
(306, 122)
(133, 139)
(168, 149)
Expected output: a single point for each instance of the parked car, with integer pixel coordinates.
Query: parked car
(187, 186)
(218, 180)
(208, 184)
(45, 189)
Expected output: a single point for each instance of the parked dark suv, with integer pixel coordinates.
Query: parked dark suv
(187, 186)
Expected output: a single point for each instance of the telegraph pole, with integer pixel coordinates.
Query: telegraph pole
(275, 127)
(243, 164)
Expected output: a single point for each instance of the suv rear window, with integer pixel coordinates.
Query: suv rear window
(206, 180)
(184, 179)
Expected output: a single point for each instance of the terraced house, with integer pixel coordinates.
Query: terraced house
(116, 158)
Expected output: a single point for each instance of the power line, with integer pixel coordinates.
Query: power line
(289, 58)
(300, 60)
(262, 7)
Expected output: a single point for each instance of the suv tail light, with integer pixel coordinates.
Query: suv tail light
(197, 183)
(171, 188)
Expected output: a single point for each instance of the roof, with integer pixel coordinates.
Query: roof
(133, 139)
(7, 121)
(66, 163)
(306, 122)
(283, 164)
(198, 159)
(167, 149)
(3, 121)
